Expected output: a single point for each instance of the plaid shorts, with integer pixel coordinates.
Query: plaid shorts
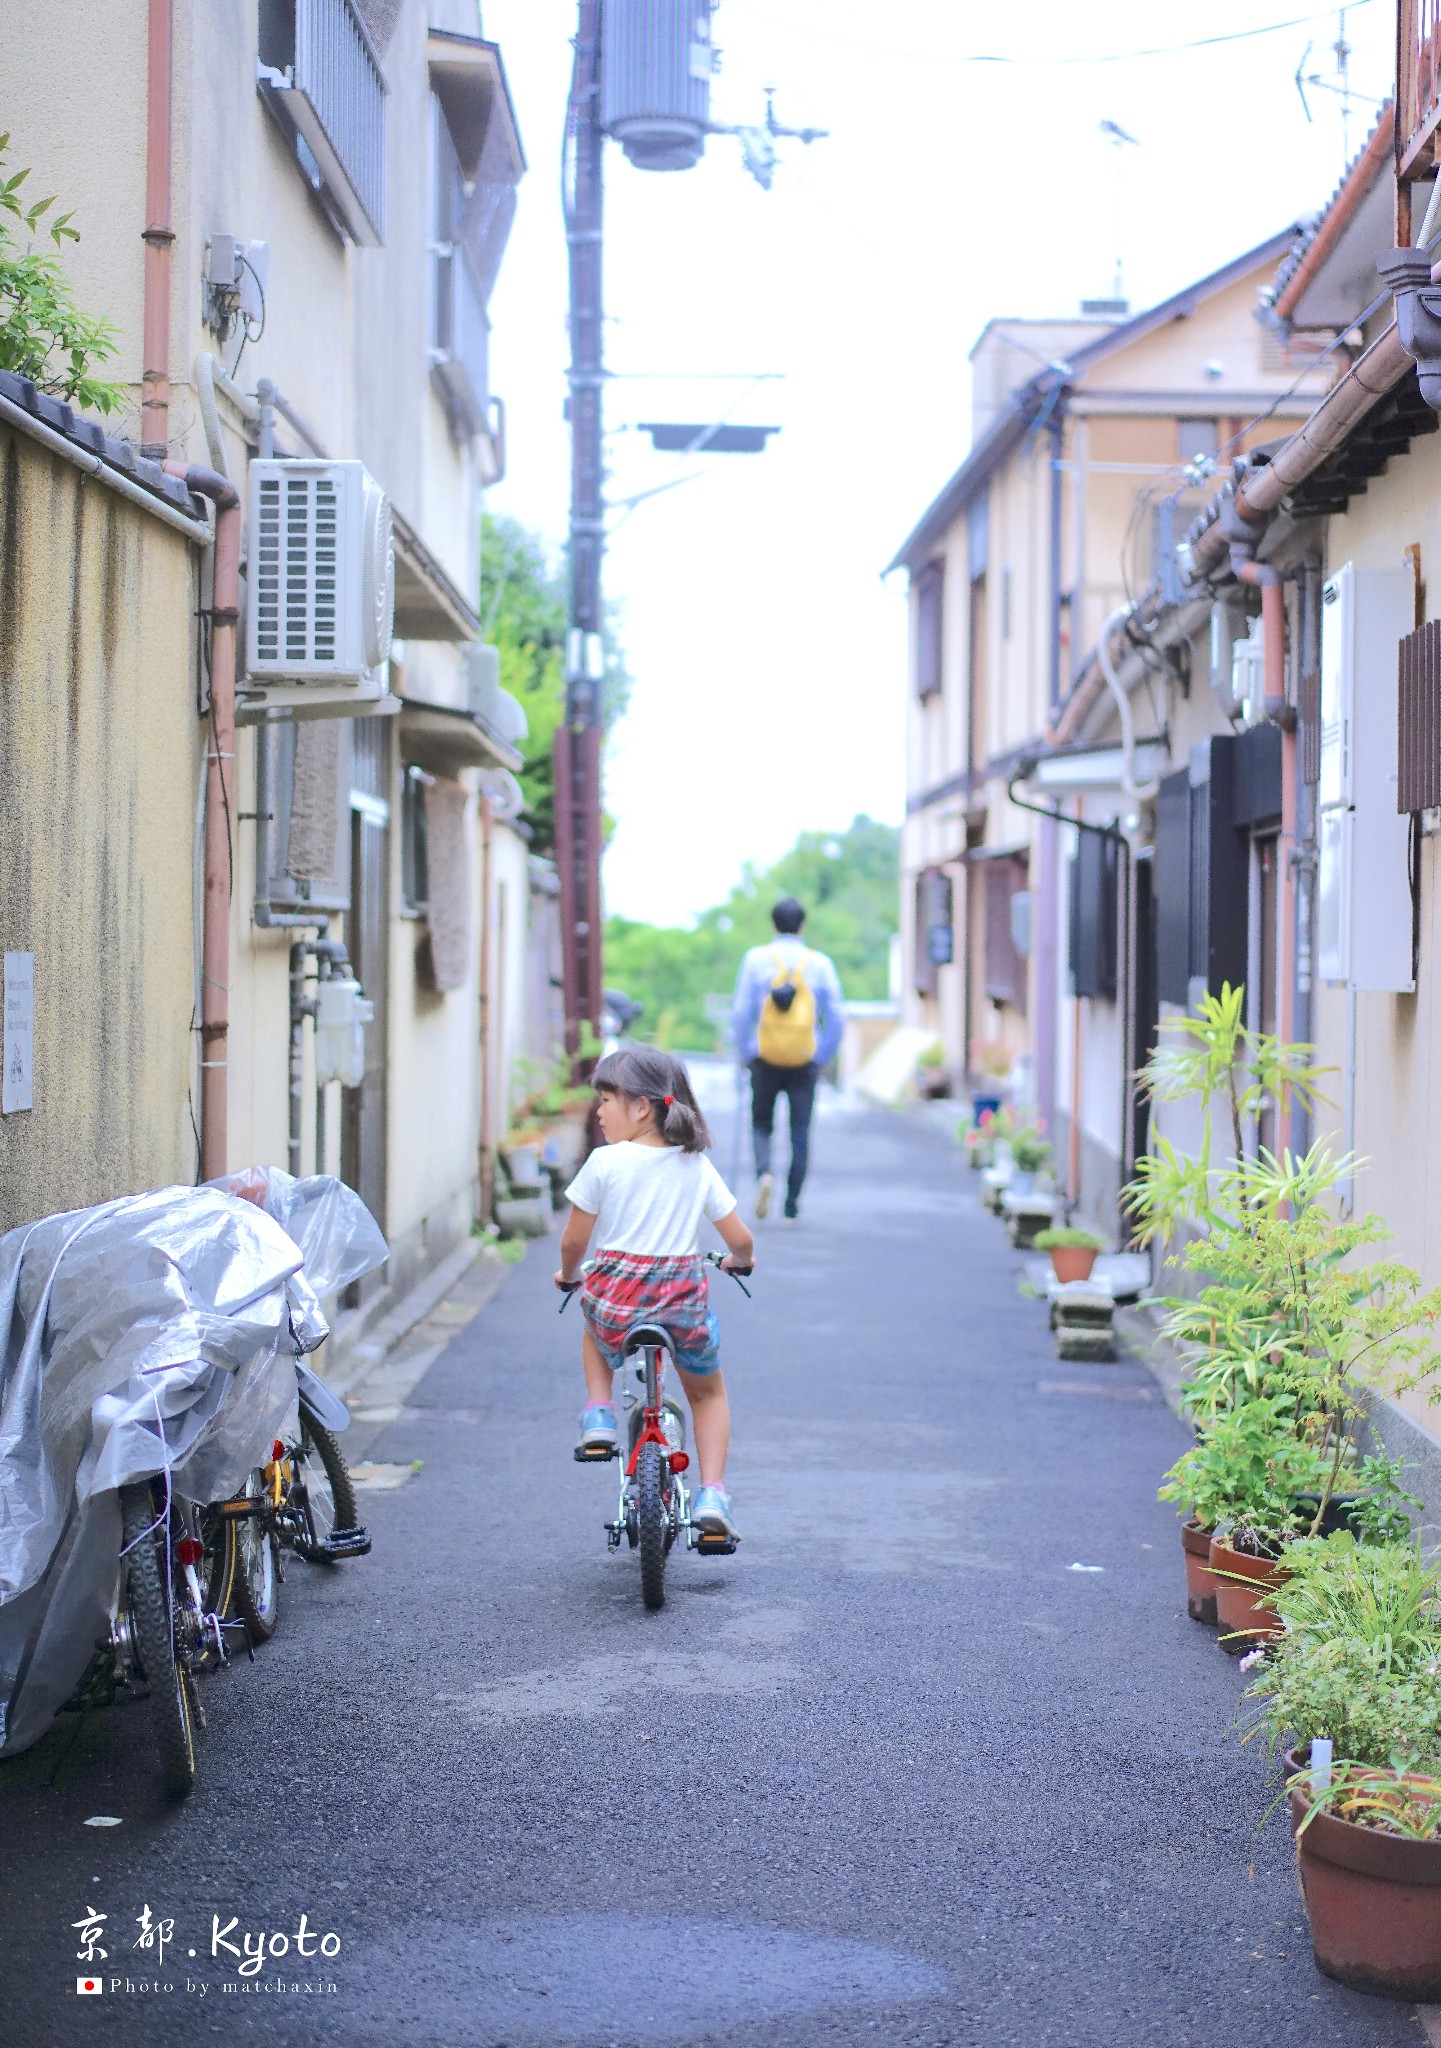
(625, 1288)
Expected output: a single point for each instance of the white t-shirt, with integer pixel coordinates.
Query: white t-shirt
(649, 1198)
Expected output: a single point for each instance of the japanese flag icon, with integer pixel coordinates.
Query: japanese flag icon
(84, 1985)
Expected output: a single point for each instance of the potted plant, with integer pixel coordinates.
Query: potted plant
(1240, 1482)
(979, 1140)
(1351, 1685)
(1073, 1251)
(1030, 1155)
(993, 1063)
(932, 1077)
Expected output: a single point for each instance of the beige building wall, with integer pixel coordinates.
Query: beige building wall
(1120, 436)
(99, 764)
(1396, 1133)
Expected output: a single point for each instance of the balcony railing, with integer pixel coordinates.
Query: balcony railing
(1418, 84)
(319, 73)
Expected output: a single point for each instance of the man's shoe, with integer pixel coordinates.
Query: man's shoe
(765, 1188)
(711, 1512)
(597, 1429)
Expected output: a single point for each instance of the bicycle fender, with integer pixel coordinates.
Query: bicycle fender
(324, 1404)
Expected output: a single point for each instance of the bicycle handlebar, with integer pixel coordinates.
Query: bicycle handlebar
(734, 1272)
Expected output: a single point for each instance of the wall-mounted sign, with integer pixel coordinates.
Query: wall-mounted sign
(19, 1050)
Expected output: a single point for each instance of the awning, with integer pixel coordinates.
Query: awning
(1098, 771)
(428, 605)
(441, 738)
(469, 80)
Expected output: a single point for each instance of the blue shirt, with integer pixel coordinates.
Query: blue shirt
(753, 984)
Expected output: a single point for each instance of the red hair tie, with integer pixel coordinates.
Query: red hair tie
(669, 1100)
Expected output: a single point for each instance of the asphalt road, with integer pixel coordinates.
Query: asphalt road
(894, 1773)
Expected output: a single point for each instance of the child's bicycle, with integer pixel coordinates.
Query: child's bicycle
(654, 1502)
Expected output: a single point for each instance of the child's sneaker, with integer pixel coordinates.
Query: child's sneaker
(597, 1429)
(765, 1189)
(711, 1513)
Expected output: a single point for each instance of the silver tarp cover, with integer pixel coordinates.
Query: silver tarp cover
(153, 1334)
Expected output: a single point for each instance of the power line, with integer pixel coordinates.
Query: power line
(1240, 35)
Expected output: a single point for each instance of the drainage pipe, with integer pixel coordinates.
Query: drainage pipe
(157, 235)
(219, 788)
(1141, 793)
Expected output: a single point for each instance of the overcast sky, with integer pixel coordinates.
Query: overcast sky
(768, 656)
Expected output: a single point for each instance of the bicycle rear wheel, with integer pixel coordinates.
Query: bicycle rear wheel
(150, 1610)
(652, 1512)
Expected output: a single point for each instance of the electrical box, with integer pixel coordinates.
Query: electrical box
(1363, 884)
(320, 589)
(1248, 675)
(655, 87)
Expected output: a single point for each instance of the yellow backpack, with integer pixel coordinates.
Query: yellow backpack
(787, 1034)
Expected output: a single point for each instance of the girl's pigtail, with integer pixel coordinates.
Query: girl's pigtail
(681, 1125)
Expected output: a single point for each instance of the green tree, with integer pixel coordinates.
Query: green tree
(523, 609)
(43, 334)
(849, 883)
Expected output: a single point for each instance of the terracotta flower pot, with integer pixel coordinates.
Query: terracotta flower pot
(1200, 1580)
(1073, 1261)
(1374, 1902)
(1244, 1613)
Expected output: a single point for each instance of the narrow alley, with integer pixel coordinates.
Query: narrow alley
(901, 1770)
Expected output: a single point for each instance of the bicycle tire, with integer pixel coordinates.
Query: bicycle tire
(149, 1605)
(257, 1569)
(330, 1504)
(651, 1515)
(220, 1553)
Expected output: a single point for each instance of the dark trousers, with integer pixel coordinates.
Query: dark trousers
(798, 1085)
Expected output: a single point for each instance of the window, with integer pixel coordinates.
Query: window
(976, 720)
(929, 587)
(321, 79)
(1200, 877)
(1197, 438)
(1093, 907)
(414, 845)
(935, 943)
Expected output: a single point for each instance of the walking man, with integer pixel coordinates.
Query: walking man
(786, 1021)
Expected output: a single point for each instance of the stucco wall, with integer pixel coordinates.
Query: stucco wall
(99, 767)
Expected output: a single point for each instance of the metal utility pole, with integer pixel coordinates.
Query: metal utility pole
(577, 739)
(650, 91)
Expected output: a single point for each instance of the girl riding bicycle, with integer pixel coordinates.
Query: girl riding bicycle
(648, 1188)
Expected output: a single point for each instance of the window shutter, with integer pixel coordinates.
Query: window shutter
(1172, 887)
(930, 638)
(1418, 720)
(308, 797)
(1005, 969)
(923, 967)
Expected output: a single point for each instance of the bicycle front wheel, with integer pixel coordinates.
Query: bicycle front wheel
(652, 1514)
(150, 1610)
(328, 1493)
(257, 1575)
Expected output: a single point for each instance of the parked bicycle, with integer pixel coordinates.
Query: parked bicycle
(654, 1505)
(302, 1501)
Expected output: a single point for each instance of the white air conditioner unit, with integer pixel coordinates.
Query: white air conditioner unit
(320, 590)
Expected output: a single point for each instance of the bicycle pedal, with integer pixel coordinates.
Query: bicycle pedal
(348, 1543)
(716, 1546)
(595, 1454)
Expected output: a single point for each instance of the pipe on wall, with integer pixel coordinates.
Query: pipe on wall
(219, 808)
(157, 235)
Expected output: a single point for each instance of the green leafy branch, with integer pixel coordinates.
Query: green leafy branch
(43, 333)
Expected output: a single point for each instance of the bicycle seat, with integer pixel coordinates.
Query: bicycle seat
(645, 1336)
